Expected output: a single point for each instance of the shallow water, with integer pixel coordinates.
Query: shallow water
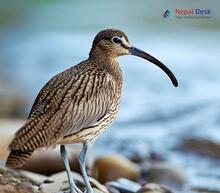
(41, 39)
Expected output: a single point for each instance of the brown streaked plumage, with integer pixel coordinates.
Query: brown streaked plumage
(75, 106)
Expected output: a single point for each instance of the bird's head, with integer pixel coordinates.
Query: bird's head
(112, 43)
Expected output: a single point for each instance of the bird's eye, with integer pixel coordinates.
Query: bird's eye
(116, 40)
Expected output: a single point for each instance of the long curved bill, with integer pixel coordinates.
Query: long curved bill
(140, 53)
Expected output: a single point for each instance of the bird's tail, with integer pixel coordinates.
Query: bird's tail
(17, 158)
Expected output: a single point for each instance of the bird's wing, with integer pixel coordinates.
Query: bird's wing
(51, 89)
(65, 106)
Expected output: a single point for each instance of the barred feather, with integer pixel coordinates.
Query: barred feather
(17, 158)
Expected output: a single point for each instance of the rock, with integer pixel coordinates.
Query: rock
(12, 189)
(113, 189)
(8, 177)
(26, 187)
(36, 178)
(12, 100)
(40, 161)
(154, 188)
(163, 173)
(98, 186)
(204, 147)
(61, 183)
(53, 187)
(205, 190)
(13, 181)
(3, 168)
(110, 168)
(95, 190)
(16, 181)
(7, 189)
(123, 186)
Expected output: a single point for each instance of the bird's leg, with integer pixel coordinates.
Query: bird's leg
(82, 163)
(73, 187)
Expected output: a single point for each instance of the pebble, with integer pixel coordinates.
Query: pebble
(201, 146)
(164, 173)
(26, 187)
(8, 189)
(61, 183)
(40, 161)
(3, 168)
(205, 190)
(110, 168)
(154, 188)
(35, 178)
(19, 189)
(123, 185)
(57, 183)
(95, 183)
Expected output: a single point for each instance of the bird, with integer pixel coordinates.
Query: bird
(78, 104)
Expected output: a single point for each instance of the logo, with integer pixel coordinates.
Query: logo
(188, 13)
(166, 14)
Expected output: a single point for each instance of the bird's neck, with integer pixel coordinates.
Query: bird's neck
(108, 63)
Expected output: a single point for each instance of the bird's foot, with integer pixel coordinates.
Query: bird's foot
(90, 190)
(72, 190)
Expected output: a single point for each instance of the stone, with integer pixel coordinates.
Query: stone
(98, 186)
(110, 168)
(205, 190)
(3, 168)
(8, 176)
(122, 185)
(40, 161)
(62, 176)
(36, 179)
(15, 181)
(95, 190)
(52, 188)
(9, 188)
(201, 146)
(154, 188)
(113, 189)
(61, 183)
(163, 173)
(25, 187)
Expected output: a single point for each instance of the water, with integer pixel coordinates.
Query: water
(44, 38)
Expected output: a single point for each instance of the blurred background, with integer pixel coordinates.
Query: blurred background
(156, 120)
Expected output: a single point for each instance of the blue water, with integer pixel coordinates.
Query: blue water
(47, 38)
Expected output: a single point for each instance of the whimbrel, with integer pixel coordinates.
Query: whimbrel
(76, 105)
